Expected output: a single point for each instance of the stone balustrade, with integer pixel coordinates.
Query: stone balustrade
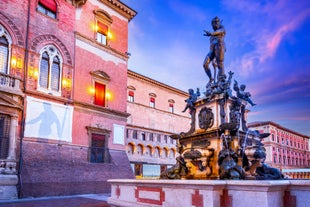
(9, 83)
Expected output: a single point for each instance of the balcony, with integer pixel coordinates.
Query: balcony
(10, 84)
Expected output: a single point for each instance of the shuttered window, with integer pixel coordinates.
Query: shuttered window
(50, 70)
(100, 94)
(4, 54)
(102, 32)
(44, 65)
(55, 74)
(4, 135)
(48, 7)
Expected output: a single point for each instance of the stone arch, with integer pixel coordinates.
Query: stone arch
(131, 147)
(41, 40)
(140, 149)
(157, 152)
(172, 153)
(165, 152)
(16, 35)
(149, 150)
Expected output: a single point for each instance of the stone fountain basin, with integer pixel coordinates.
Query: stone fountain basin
(209, 193)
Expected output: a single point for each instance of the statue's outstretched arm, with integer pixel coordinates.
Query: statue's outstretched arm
(219, 32)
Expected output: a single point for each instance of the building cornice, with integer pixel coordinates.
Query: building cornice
(105, 110)
(164, 111)
(138, 76)
(263, 123)
(121, 8)
(105, 48)
(142, 128)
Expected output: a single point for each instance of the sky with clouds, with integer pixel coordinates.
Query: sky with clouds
(267, 48)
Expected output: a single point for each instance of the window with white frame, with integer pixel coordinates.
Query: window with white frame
(103, 22)
(131, 96)
(100, 82)
(171, 105)
(50, 71)
(152, 102)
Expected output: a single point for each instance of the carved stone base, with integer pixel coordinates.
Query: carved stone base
(8, 188)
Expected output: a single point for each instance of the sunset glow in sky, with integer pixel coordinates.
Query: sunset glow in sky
(268, 49)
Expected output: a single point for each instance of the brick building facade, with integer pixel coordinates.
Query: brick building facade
(286, 149)
(156, 112)
(63, 65)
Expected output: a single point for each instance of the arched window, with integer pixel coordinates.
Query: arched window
(5, 42)
(50, 70)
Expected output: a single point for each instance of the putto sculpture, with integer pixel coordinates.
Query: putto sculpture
(218, 144)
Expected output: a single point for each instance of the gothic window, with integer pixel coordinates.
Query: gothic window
(48, 7)
(50, 72)
(5, 42)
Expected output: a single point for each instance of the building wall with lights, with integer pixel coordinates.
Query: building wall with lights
(286, 149)
(156, 113)
(63, 75)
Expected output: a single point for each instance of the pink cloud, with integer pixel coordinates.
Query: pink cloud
(272, 23)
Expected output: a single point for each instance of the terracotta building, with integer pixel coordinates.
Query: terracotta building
(63, 65)
(286, 149)
(156, 113)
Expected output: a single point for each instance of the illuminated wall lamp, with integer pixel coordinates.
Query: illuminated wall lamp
(66, 83)
(13, 62)
(91, 90)
(33, 72)
(109, 35)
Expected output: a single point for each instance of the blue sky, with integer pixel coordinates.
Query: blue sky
(268, 49)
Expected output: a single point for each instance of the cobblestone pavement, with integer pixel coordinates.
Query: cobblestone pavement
(89, 200)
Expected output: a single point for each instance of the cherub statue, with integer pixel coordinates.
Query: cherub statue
(242, 94)
(190, 101)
